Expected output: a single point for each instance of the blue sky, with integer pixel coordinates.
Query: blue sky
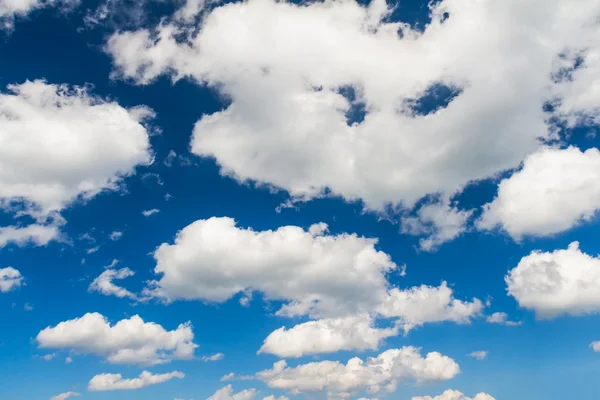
(449, 148)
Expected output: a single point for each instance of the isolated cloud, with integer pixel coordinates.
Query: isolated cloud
(327, 336)
(10, 279)
(116, 235)
(502, 319)
(455, 395)
(374, 374)
(147, 213)
(105, 382)
(214, 357)
(479, 355)
(595, 346)
(306, 134)
(555, 190)
(558, 282)
(226, 393)
(129, 341)
(38, 235)
(104, 283)
(65, 396)
(61, 143)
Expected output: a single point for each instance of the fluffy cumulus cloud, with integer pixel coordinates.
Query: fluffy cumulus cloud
(374, 374)
(10, 279)
(455, 395)
(307, 135)
(555, 190)
(226, 393)
(11, 9)
(339, 280)
(565, 281)
(129, 341)
(60, 143)
(36, 234)
(479, 355)
(502, 319)
(327, 336)
(104, 283)
(65, 396)
(105, 382)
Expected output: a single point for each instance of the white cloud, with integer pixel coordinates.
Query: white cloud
(214, 357)
(327, 336)
(226, 393)
(339, 279)
(374, 374)
(28, 307)
(296, 136)
(271, 397)
(65, 396)
(428, 304)
(104, 283)
(93, 250)
(68, 360)
(129, 341)
(558, 282)
(595, 346)
(12, 9)
(105, 382)
(555, 190)
(10, 279)
(61, 144)
(39, 235)
(440, 222)
(147, 213)
(455, 395)
(116, 235)
(479, 355)
(228, 377)
(502, 319)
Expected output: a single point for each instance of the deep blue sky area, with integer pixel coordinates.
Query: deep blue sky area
(548, 359)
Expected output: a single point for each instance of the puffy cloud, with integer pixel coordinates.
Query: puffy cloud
(558, 282)
(104, 283)
(375, 374)
(327, 336)
(427, 304)
(440, 222)
(555, 190)
(65, 396)
(10, 279)
(271, 397)
(68, 360)
(105, 382)
(147, 213)
(129, 341)
(318, 274)
(214, 357)
(226, 393)
(116, 235)
(310, 84)
(60, 144)
(455, 395)
(11, 9)
(49, 357)
(479, 355)
(502, 319)
(39, 235)
(595, 346)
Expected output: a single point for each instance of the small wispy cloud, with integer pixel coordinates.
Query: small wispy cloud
(147, 213)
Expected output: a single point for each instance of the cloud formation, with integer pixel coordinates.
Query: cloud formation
(10, 279)
(106, 382)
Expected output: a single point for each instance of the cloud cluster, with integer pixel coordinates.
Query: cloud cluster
(129, 341)
(105, 382)
(226, 393)
(373, 374)
(565, 281)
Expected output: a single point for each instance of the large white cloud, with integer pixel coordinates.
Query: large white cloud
(58, 144)
(555, 190)
(10, 279)
(455, 395)
(129, 341)
(286, 125)
(374, 374)
(340, 280)
(565, 281)
(105, 382)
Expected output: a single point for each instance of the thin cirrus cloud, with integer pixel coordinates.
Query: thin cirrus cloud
(129, 341)
(65, 396)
